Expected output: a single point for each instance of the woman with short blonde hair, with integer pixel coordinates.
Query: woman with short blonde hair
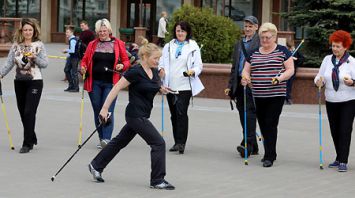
(103, 22)
(268, 27)
(103, 53)
(267, 71)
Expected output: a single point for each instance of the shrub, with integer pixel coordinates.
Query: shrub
(217, 34)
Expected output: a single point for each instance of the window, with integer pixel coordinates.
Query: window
(72, 12)
(20, 8)
(238, 9)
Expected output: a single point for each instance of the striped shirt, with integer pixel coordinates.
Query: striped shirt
(264, 67)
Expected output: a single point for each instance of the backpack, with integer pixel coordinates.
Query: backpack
(80, 48)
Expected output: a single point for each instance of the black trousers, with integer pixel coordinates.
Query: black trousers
(161, 42)
(178, 106)
(251, 116)
(71, 72)
(341, 119)
(28, 95)
(268, 112)
(144, 128)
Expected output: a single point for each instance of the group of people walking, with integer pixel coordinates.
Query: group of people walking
(262, 68)
(257, 84)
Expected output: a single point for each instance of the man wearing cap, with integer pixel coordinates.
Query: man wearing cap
(242, 50)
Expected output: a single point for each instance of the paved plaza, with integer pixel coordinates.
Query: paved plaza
(210, 166)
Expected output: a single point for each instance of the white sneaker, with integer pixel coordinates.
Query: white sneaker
(164, 185)
(104, 143)
(96, 174)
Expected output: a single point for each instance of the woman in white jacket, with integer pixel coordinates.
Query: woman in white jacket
(337, 74)
(180, 66)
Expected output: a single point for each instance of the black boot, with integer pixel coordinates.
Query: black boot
(181, 148)
(174, 148)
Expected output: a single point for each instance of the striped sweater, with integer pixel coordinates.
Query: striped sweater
(264, 67)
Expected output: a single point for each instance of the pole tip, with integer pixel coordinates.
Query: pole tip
(106, 68)
(321, 167)
(246, 163)
(52, 179)
(12, 148)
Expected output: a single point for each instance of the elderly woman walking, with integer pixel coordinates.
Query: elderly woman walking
(267, 71)
(104, 52)
(337, 75)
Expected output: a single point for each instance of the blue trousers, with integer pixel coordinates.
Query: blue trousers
(98, 95)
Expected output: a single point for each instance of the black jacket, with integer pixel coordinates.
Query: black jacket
(234, 76)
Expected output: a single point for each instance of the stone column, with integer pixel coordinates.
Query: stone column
(115, 19)
(46, 17)
(266, 11)
(138, 32)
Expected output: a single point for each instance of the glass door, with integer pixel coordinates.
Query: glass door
(144, 17)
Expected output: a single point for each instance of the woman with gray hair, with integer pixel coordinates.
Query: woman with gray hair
(105, 51)
(266, 72)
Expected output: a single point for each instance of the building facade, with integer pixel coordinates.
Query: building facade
(54, 15)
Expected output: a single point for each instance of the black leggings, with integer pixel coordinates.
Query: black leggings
(341, 118)
(268, 112)
(28, 95)
(144, 128)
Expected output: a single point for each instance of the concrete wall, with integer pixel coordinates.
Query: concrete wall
(215, 78)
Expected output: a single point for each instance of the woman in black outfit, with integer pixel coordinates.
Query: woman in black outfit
(143, 82)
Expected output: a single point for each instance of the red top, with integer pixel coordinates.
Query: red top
(120, 54)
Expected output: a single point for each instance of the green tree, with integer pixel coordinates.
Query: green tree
(217, 34)
(319, 18)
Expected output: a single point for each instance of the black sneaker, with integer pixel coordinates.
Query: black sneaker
(241, 150)
(342, 167)
(181, 148)
(25, 149)
(164, 185)
(96, 174)
(267, 163)
(174, 148)
(73, 90)
(335, 164)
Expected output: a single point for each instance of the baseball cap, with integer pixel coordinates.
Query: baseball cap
(252, 19)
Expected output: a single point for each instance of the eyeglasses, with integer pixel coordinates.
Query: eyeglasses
(266, 37)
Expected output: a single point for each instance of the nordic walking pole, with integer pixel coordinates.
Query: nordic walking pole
(6, 120)
(297, 48)
(81, 146)
(245, 127)
(320, 129)
(162, 115)
(71, 157)
(81, 115)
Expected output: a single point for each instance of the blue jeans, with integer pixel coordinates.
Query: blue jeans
(98, 95)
